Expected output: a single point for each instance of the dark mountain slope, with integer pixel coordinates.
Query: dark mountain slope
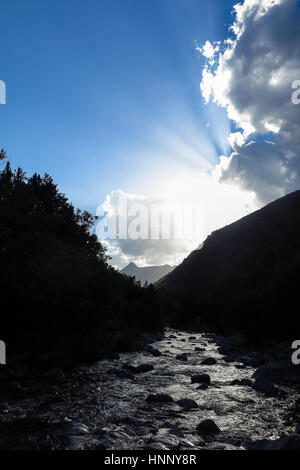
(247, 274)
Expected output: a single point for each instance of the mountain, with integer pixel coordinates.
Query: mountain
(149, 274)
(246, 275)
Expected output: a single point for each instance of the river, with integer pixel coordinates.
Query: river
(104, 406)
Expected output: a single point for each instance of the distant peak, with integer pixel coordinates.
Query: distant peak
(132, 265)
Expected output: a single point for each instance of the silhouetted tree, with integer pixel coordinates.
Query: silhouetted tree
(58, 293)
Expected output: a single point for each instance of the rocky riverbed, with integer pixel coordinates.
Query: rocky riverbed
(186, 391)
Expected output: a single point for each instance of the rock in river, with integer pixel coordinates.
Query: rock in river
(277, 371)
(159, 398)
(187, 403)
(155, 352)
(209, 361)
(265, 386)
(200, 379)
(202, 387)
(182, 357)
(245, 382)
(228, 359)
(208, 426)
(143, 368)
(124, 374)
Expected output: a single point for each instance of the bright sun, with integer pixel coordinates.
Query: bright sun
(222, 203)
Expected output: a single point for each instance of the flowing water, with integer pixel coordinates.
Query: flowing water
(99, 407)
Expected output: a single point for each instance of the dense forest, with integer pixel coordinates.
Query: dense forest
(58, 293)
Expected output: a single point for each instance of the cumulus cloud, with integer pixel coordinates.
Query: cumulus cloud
(147, 230)
(190, 212)
(252, 78)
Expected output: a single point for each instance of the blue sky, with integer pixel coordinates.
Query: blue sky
(105, 94)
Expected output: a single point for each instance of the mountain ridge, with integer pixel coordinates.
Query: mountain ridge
(149, 274)
(246, 274)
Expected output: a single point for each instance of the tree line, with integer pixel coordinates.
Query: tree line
(58, 293)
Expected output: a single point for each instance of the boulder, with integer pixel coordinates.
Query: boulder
(159, 398)
(245, 382)
(225, 350)
(277, 371)
(187, 403)
(259, 357)
(153, 351)
(182, 357)
(209, 361)
(143, 368)
(264, 386)
(228, 359)
(200, 379)
(208, 426)
(124, 374)
(202, 387)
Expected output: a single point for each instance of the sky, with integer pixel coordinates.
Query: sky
(154, 99)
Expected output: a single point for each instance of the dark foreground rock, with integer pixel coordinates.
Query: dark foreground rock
(209, 361)
(187, 403)
(264, 386)
(153, 351)
(242, 382)
(200, 379)
(124, 374)
(283, 443)
(202, 387)
(182, 357)
(159, 398)
(278, 371)
(208, 426)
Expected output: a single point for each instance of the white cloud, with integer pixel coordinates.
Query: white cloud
(208, 50)
(219, 205)
(252, 80)
(157, 241)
